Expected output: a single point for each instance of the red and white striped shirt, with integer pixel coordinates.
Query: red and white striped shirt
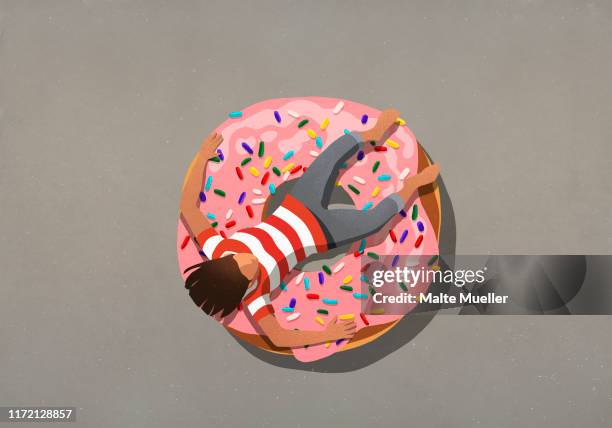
(280, 242)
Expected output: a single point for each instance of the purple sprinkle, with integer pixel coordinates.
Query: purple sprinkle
(241, 198)
(420, 226)
(292, 302)
(220, 153)
(404, 235)
(339, 341)
(277, 116)
(321, 278)
(360, 155)
(202, 196)
(395, 260)
(201, 253)
(403, 213)
(246, 147)
(364, 119)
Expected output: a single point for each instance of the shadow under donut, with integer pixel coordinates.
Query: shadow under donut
(405, 330)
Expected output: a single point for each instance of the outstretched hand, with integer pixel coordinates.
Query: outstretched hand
(210, 144)
(340, 330)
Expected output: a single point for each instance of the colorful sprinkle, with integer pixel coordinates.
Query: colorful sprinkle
(319, 142)
(326, 269)
(344, 317)
(219, 192)
(272, 188)
(384, 177)
(392, 235)
(375, 166)
(312, 296)
(367, 206)
(283, 286)
(360, 296)
(324, 123)
(235, 114)
(261, 149)
(220, 154)
(293, 316)
(293, 113)
(248, 148)
(239, 173)
(373, 255)
(420, 226)
(311, 134)
(395, 260)
(299, 278)
(245, 161)
(249, 211)
(432, 260)
(276, 171)
(228, 214)
(376, 191)
(319, 320)
(339, 267)
(241, 198)
(400, 121)
(359, 179)
(264, 179)
(380, 149)
(323, 311)
(306, 284)
(208, 183)
(321, 278)
(202, 196)
(302, 123)
(214, 224)
(377, 311)
(403, 286)
(364, 119)
(354, 189)
(404, 173)
(346, 288)
(211, 216)
(418, 242)
(288, 167)
(360, 155)
(277, 116)
(330, 301)
(339, 341)
(415, 212)
(403, 213)
(347, 279)
(230, 224)
(313, 153)
(288, 155)
(254, 171)
(338, 107)
(346, 131)
(295, 169)
(362, 245)
(258, 201)
(364, 319)
(292, 302)
(403, 236)
(392, 144)
(287, 309)
(185, 242)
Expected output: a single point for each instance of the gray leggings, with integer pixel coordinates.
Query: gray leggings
(314, 188)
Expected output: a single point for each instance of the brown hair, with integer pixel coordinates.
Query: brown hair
(216, 285)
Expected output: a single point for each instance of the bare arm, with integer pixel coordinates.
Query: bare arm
(292, 338)
(190, 198)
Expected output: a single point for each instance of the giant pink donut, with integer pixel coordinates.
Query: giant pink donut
(258, 122)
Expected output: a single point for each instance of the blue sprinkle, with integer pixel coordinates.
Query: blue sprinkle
(403, 213)
(420, 226)
(344, 165)
(364, 278)
(288, 155)
(330, 301)
(292, 302)
(362, 245)
(241, 198)
(321, 278)
(346, 131)
(246, 147)
(339, 341)
(211, 216)
(221, 155)
(319, 142)
(287, 309)
(306, 284)
(395, 260)
(283, 286)
(202, 196)
(277, 116)
(384, 177)
(364, 119)
(367, 206)
(200, 252)
(360, 296)
(360, 155)
(235, 114)
(272, 188)
(403, 237)
(208, 183)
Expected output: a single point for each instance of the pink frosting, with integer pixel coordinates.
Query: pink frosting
(259, 124)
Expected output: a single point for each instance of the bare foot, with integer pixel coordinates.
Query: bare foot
(385, 126)
(423, 178)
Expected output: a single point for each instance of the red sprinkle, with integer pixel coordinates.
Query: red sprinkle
(304, 169)
(240, 306)
(364, 319)
(230, 223)
(249, 211)
(392, 235)
(313, 296)
(357, 253)
(222, 233)
(417, 244)
(296, 169)
(264, 179)
(380, 149)
(239, 173)
(185, 242)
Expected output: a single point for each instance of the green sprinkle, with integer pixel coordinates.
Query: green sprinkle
(245, 161)
(219, 192)
(372, 290)
(322, 311)
(376, 165)
(214, 224)
(215, 159)
(283, 286)
(373, 255)
(415, 212)
(302, 123)
(354, 189)
(260, 152)
(372, 143)
(432, 260)
(364, 278)
(403, 286)
(346, 288)
(276, 171)
(327, 269)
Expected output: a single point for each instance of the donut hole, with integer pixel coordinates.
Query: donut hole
(339, 199)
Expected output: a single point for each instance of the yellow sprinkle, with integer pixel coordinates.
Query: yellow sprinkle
(325, 123)
(376, 191)
(435, 267)
(347, 279)
(346, 317)
(320, 320)
(377, 311)
(400, 121)
(267, 162)
(392, 144)
(288, 167)
(254, 171)
(311, 133)
(338, 183)
(327, 344)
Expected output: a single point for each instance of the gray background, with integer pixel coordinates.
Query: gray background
(102, 107)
